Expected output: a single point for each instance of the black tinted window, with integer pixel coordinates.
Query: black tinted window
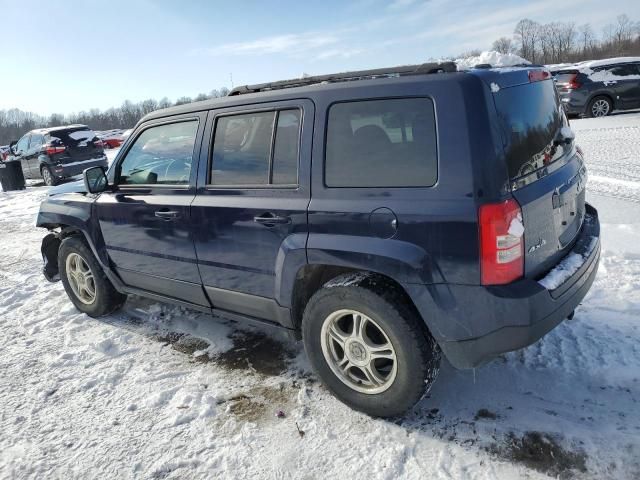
(285, 151)
(623, 70)
(243, 146)
(241, 149)
(160, 155)
(381, 143)
(76, 137)
(530, 118)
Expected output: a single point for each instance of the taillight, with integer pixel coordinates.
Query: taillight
(539, 75)
(50, 149)
(98, 143)
(501, 242)
(574, 83)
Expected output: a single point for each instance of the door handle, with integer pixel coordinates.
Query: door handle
(269, 219)
(167, 214)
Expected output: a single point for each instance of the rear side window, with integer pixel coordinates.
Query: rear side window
(624, 70)
(256, 149)
(381, 143)
(36, 141)
(160, 155)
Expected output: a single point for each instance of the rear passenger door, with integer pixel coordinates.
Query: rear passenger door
(33, 154)
(250, 211)
(624, 80)
(145, 221)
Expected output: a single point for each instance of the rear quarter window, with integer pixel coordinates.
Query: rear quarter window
(381, 143)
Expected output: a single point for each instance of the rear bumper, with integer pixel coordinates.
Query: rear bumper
(474, 324)
(574, 102)
(76, 168)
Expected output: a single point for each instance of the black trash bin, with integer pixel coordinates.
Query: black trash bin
(11, 177)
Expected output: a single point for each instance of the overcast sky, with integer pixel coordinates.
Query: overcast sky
(72, 55)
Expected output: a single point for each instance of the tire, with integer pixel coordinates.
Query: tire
(106, 299)
(599, 106)
(389, 319)
(50, 180)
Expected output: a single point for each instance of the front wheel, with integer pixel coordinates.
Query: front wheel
(599, 107)
(367, 345)
(84, 281)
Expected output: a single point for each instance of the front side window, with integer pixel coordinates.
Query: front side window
(247, 151)
(22, 145)
(160, 155)
(381, 143)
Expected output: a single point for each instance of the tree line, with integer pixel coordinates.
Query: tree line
(14, 122)
(566, 42)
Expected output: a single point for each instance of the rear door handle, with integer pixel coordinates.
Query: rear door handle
(269, 219)
(167, 214)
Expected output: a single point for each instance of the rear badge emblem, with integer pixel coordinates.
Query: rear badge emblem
(533, 248)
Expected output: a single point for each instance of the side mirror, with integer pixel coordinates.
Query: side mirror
(95, 180)
(12, 146)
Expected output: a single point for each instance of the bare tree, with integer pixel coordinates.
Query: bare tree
(586, 39)
(527, 32)
(503, 45)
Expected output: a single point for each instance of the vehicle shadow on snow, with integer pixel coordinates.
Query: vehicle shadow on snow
(510, 409)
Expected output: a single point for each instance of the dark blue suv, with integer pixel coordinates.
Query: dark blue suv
(386, 216)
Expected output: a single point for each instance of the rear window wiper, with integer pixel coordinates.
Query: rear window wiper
(565, 136)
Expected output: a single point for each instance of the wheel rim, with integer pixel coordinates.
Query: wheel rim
(46, 176)
(358, 351)
(81, 279)
(600, 108)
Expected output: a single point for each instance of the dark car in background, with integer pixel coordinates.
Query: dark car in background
(597, 88)
(58, 152)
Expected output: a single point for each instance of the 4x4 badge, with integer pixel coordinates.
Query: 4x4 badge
(533, 248)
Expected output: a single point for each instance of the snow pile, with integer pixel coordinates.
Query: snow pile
(493, 58)
(158, 391)
(567, 267)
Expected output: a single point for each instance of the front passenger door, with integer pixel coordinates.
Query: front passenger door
(146, 221)
(20, 154)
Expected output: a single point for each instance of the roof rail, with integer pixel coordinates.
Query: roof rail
(443, 67)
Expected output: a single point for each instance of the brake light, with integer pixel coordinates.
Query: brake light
(50, 149)
(574, 83)
(501, 242)
(539, 75)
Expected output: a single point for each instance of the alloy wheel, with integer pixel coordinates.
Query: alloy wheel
(600, 108)
(81, 278)
(358, 351)
(47, 177)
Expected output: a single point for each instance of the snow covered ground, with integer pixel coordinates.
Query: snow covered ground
(157, 391)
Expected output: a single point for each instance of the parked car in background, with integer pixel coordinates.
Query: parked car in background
(443, 212)
(4, 152)
(597, 88)
(58, 152)
(111, 138)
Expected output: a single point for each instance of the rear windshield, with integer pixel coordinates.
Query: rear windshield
(77, 137)
(530, 118)
(565, 77)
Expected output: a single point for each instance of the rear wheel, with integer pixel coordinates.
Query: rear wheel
(84, 281)
(599, 107)
(368, 346)
(49, 178)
